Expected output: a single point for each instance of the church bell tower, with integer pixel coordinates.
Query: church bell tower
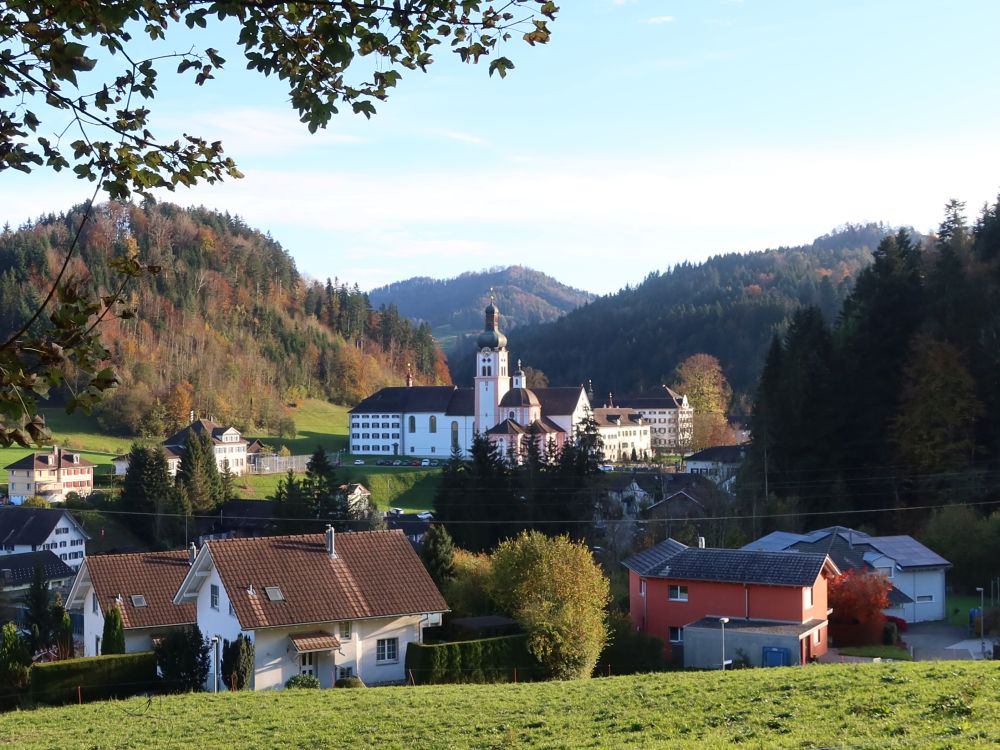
(492, 371)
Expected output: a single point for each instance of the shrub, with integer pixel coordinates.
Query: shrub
(96, 677)
(237, 663)
(553, 587)
(890, 634)
(901, 625)
(113, 638)
(182, 656)
(14, 661)
(483, 660)
(629, 651)
(349, 682)
(302, 681)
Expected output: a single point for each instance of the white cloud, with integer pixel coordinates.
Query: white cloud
(254, 131)
(457, 135)
(656, 20)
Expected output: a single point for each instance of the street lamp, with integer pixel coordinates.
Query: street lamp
(982, 620)
(722, 622)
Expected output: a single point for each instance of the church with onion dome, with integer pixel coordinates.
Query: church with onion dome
(430, 421)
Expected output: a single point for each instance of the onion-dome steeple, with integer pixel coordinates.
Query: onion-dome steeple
(491, 338)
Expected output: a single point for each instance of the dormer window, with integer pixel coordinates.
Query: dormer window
(138, 600)
(274, 593)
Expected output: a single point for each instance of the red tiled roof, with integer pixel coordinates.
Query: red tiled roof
(154, 575)
(375, 574)
(318, 641)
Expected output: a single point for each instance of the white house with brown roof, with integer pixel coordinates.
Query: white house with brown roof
(142, 586)
(330, 605)
(624, 432)
(49, 475)
(227, 444)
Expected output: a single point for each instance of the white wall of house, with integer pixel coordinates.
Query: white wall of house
(925, 586)
(276, 659)
(51, 483)
(93, 624)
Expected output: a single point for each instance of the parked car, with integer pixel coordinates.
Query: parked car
(397, 462)
(425, 462)
(359, 462)
(434, 462)
(381, 462)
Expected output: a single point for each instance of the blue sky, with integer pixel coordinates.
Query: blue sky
(646, 133)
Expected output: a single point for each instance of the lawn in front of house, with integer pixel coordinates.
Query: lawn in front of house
(877, 652)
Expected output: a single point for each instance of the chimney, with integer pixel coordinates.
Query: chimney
(701, 542)
(192, 553)
(331, 548)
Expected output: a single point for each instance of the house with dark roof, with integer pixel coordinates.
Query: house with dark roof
(40, 529)
(774, 603)
(141, 586)
(330, 605)
(433, 421)
(719, 463)
(228, 445)
(17, 573)
(917, 573)
(49, 475)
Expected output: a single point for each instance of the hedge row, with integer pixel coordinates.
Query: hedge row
(93, 678)
(502, 659)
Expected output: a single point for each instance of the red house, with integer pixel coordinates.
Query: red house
(774, 603)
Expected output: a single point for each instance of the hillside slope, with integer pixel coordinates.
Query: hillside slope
(729, 306)
(228, 328)
(454, 307)
(929, 704)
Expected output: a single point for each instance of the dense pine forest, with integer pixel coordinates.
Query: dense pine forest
(729, 306)
(454, 307)
(890, 417)
(227, 327)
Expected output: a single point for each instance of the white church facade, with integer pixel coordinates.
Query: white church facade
(431, 421)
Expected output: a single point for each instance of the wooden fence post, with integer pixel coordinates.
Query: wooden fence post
(79, 695)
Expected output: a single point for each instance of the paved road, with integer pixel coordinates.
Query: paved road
(939, 641)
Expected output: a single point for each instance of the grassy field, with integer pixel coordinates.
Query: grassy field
(316, 423)
(391, 486)
(938, 705)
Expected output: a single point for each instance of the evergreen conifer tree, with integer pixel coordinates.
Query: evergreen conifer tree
(113, 638)
(438, 554)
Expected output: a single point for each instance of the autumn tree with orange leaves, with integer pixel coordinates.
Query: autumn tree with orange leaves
(859, 596)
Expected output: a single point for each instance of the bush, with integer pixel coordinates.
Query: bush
(97, 677)
(349, 682)
(629, 651)
(901, 625)
(302, 681)
(182, 656)
(890, 634)
(483, 660)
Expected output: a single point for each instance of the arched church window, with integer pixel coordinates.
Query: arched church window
(484, 371)
(412, 424)
(512, 415)
(432, 424)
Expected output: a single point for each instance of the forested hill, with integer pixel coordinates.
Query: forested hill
(455, 306)
(729, 306)
(228, 327)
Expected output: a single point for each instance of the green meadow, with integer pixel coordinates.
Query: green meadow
(925, 705)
